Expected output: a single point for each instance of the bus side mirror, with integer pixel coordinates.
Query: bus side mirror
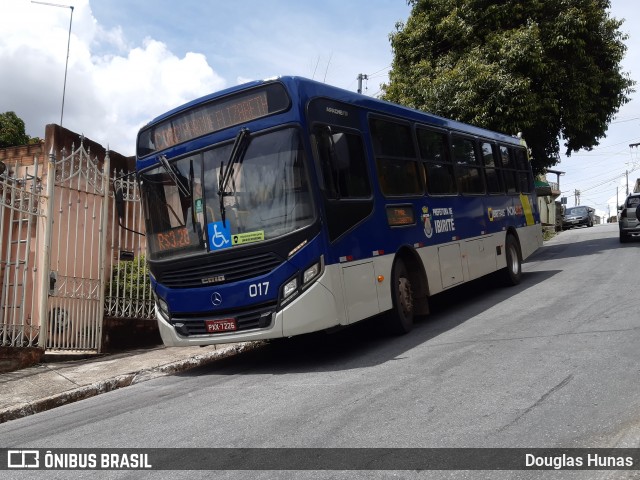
(119, 197)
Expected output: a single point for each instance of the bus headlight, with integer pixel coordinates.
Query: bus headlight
(289, 288)
(313, 272)
(301, 281)
(163, 308)
(310, 273)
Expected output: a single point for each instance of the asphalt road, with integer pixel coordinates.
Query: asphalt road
(553, 362)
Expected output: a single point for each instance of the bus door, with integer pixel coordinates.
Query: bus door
(347, 200)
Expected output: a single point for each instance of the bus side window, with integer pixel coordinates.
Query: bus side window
(396, 160)
(492, 174)
(525, 179)
(342, 164)
(468, 169)
(508, 170)
(434, 151)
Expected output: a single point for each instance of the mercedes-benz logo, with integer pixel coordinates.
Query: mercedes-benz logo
(216, 299)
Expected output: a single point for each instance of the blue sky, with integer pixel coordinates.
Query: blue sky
(131, 60)
(256, 39)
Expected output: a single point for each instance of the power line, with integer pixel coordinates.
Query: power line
(379, 72)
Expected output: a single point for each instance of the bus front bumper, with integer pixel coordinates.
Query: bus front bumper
(313, 310)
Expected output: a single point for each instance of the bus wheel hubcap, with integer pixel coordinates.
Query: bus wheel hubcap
(514, 260)
(406, 301)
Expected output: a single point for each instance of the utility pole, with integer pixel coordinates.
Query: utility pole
(631, 146)
(361, 76)
(576, 200)
(627, 174)
(64, 85)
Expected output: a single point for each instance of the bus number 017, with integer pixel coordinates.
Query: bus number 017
(258, 289)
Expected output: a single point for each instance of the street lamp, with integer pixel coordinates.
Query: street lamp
(64, 86)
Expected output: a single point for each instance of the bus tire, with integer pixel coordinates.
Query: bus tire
(512, 273)
(401, 318)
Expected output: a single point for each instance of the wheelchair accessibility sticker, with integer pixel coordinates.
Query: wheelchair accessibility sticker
(219, 235)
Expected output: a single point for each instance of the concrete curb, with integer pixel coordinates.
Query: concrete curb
(70, 396)
(121, 381)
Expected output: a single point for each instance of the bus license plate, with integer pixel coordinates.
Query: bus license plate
(224, 325)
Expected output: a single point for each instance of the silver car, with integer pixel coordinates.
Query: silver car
(629, 223)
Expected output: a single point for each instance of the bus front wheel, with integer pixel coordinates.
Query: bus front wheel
(512, 274)
(401, 318)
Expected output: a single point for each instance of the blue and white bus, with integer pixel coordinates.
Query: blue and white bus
(287, 206)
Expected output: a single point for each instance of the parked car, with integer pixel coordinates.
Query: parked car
(629, 223)
(577, 216)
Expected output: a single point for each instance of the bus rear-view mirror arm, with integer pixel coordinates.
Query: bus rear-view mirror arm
(119, 199)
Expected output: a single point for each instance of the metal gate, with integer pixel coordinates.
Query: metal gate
(65, 263)
(128, 289)
(21, 208)
(78, 200)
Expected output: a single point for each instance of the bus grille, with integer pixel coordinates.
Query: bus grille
(231, 270)
(255, 317)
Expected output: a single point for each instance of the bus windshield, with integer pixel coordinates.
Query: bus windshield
(267, 195)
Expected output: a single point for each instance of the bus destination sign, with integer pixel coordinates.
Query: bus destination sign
(173, 239)
(211, 117)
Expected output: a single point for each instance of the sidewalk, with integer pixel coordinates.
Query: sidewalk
(60, 380)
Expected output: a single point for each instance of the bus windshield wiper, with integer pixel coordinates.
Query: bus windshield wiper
(237, 154)
(184, 191)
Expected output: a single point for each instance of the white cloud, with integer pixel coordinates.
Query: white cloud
(115, 83)
(108, 96)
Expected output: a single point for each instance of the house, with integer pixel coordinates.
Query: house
(550, 209)
(61, 247)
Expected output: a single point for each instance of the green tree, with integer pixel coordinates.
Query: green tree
(12, 130)
(548, 69)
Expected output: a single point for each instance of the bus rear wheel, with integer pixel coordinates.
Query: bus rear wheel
(512, 273)
(401, 318)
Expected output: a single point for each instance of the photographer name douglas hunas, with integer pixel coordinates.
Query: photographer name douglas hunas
(591, 460)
